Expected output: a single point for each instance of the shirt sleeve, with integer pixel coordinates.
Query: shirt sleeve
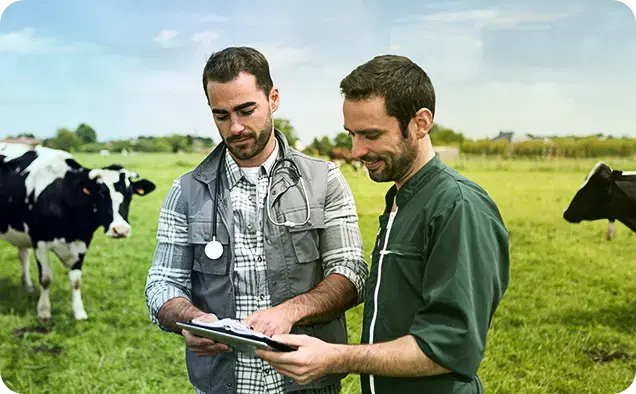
(465, 277)
(341, 241)
(169, 274)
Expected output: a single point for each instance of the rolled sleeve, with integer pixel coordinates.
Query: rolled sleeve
(169, 274)
(466, 276)
(341, 241)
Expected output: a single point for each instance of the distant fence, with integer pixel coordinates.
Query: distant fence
(567, 148)
(447, 154)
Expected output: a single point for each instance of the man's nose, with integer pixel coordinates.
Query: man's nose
(358, 150)
(236, 127)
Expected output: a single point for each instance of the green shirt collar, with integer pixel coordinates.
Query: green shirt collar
(414, 184)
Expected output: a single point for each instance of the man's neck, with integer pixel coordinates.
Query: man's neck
(260, 158)
(425, 154)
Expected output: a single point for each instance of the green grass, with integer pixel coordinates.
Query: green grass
(566, 324)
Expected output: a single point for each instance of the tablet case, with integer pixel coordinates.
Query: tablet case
(244, 342)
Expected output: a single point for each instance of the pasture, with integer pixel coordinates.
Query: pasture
(566, 324)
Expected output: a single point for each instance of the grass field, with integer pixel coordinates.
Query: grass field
(566, 323)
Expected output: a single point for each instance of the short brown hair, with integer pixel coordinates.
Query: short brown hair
(225, 65)
(405, 86)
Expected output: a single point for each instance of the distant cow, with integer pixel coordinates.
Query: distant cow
(605, 194)
(344, 155)
(49, 202)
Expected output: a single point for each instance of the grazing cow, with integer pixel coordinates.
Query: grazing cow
(344, 155)
(605, 194)
(49, 202)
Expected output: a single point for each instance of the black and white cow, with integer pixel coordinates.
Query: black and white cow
(605, 194)
(49, 202)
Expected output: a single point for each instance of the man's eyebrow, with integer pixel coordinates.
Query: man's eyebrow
(365, 131)
(236, 108)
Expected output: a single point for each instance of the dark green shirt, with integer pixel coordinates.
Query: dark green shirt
(439, 270)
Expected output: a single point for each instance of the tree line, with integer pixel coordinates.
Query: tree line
(84, 139)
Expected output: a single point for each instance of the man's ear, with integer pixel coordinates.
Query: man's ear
(274, 99)
(423, 122)
(143, 187)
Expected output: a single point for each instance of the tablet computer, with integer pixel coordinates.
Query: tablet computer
(240, 341)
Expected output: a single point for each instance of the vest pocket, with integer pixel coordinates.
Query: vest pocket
(199, 236)
(306, 238)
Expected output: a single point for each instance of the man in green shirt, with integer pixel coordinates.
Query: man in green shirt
(440, 265)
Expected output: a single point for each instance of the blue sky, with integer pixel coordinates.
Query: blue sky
(132, 68)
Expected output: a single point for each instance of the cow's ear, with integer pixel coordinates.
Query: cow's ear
(143, 187)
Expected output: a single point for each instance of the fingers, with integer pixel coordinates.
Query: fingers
(300, 376)
(262, 326)
(211, 350)
(248, 321)
(292, 339)
(204, 346)
(193, 340)
(207, 318)
(269, 356)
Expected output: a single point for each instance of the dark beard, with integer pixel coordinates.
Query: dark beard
(395, 167)
(261, 138)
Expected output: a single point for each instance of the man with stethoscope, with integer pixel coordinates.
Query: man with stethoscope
(257, 232)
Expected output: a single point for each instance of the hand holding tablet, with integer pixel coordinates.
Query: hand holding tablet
(234, 334)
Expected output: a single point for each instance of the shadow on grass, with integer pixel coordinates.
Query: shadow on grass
(15, 300)
(620, 317)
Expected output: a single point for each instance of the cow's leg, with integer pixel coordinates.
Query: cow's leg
(75, 276)
(611, 232)
(356, 166)
(27, 284)
(46, 279)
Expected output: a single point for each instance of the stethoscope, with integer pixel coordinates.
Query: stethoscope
(214, 248)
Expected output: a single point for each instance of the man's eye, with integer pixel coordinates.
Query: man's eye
(373, 136)
(221, 117)
(247, 112)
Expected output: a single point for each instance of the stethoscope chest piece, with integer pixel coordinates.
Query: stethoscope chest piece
(213, 249)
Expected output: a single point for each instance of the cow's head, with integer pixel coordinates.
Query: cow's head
(111, 190)
(590, 201)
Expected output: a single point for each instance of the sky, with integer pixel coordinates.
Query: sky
(133, 68)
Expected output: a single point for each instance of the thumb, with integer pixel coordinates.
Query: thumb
(291, 339)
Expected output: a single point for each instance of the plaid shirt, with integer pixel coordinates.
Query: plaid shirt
(169, 275)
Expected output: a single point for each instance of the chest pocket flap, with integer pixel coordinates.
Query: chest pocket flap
(306, 238)
(200, 234)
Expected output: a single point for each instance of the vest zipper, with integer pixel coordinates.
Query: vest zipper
(383, 252)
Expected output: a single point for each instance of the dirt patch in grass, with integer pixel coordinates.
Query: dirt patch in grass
(54, 351)
(603, 356)
(19, 332)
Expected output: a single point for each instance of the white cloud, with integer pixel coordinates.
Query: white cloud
(281, 56)
(491, 17)
(205, 37)
(24, 41)
(166, 38)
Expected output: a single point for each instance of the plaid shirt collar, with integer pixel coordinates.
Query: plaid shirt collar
(235, 173)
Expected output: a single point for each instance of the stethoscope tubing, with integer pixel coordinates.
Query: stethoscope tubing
(214, 249)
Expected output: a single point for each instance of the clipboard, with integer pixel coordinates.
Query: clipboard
(234, 334)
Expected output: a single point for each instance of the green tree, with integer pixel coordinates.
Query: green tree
(343, 140)
(441, 135)
(285, 127)
(179, 143)
(86, 134)
(64, 140)
(323, 146)
(26, 135)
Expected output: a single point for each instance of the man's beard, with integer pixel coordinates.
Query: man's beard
(260, 141)
(394, 167)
